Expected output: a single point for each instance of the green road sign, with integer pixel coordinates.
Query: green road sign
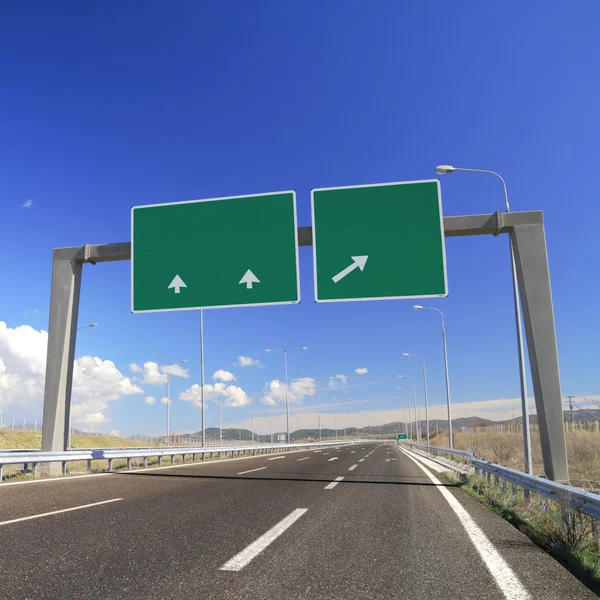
(216, 253)
(402, 436)
(379, 242)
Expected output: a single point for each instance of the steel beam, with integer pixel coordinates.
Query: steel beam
(62, 332)
(531, 258)
(528, 238)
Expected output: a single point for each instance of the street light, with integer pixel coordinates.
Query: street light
(425, 388)
(287, 408)
(86, 326)
(419, 307)
(442, 170)
(417, 420)
(169, 400)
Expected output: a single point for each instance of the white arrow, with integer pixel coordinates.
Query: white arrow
(249, 278)
(357, 262)
(177, 283)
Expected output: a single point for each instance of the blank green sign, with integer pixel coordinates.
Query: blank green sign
(379, 242)
(222, 252)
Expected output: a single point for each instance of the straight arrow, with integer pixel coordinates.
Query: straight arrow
(249, 278)
(177, 283)
(357, 262)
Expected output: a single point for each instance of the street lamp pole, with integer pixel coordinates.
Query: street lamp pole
(220, 418)
(319, 407)
(425, 388)
(169, 400)
(417, 420)
(443, 169)
(418, 307)
(287, 407)
(86, 326)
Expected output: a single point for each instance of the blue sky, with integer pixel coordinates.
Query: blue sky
(107, 106)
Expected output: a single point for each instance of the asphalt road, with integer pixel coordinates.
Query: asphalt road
(271, 526)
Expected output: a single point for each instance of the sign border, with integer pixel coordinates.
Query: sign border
(157, 310)
(349, 187)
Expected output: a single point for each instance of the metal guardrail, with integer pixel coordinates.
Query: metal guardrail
(586, 502)
(34, 458)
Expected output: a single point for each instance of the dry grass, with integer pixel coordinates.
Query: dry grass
(33, 440)
(583, 450)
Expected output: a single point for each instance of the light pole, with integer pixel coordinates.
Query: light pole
(418, 307)
(252, 416)
(334, 413)
(92, 325)
(425, 389)
(417, 420)
(287, 408)
(220, 418)
(444, 169)
(319, 406)
(169, 400)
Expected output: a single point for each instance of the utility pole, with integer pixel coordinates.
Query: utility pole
(571, 407)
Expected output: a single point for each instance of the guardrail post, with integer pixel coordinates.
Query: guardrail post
(110, 465)
(172, 459)
(183, 458)
(64, 468)
(159, 458)
(89, 466)
(596, 533)
(145, 462)
(0, 473)
(34, 469)
(128, 463)
(203, 456)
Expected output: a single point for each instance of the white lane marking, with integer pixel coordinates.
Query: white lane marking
(276, 458)
(505, 577)
(317, 450)
(352, 467)
(325, 453)
(56, 512)
(360, 459)
(252, 470)
(352, 451)
(333, 483)
(305, 458)
(239, 561)
(330, 459)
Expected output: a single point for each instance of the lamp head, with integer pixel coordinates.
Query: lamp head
(304, 348)
(405, 354)
(444, 169)
(93, 324)
(417, 307)
(267, 350)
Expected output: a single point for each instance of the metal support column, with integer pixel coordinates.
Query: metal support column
(531, 258)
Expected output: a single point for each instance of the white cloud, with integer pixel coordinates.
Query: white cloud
(247, 361)
(165, 400)
(27, 203)
(150, 400)
(31, 311)
(230, 395)
(96, 382)
(298, 390)
(222, 375)
(361, 371)
(153, 374)
(337, 380)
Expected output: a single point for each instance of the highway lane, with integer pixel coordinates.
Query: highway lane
(384, 530)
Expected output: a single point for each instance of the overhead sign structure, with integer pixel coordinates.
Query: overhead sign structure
(379, 242)
(216, 253)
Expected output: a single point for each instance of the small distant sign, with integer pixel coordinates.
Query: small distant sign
(402, 436)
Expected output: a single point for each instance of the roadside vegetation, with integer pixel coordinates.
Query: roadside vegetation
(504, 448)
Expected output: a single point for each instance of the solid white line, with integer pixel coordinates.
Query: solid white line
(505, 577)
(330, 459)
(239, 561)
(276, 458)
(305, 458)
(333, 483)
(251, 470)
(56, 512)
(352, 467)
